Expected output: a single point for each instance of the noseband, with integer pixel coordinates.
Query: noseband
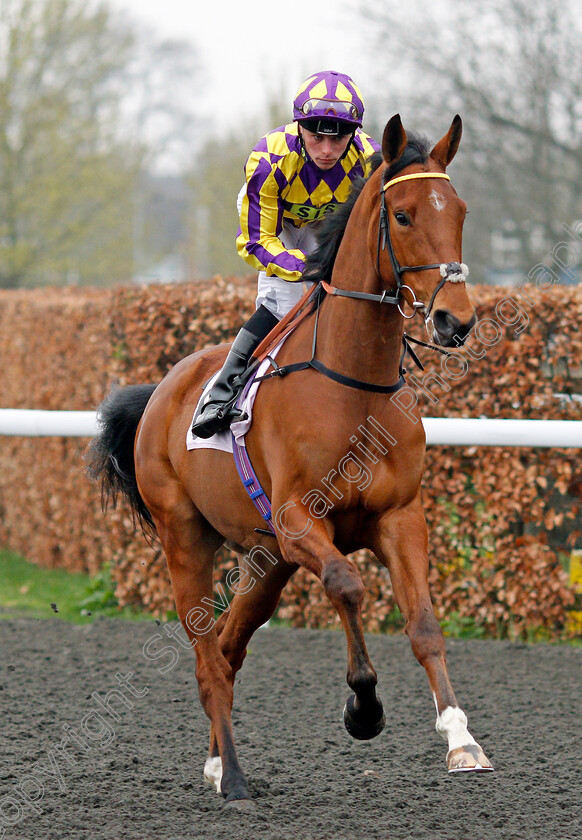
(452, 272)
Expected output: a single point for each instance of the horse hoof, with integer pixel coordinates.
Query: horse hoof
(243, 805)
(469, 759)
(362, 730)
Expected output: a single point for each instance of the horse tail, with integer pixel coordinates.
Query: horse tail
(110, 454)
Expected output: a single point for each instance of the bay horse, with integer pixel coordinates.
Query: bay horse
(393, 251)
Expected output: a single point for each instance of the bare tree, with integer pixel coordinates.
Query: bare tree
(513, 69)
(77, 102)
(215, 183)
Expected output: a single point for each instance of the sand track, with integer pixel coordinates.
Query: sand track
(136, 770)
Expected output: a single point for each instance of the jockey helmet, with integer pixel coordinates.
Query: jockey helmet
(329, 103)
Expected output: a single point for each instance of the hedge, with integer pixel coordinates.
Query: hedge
(498, 517)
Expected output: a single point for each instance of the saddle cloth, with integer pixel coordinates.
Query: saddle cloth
(223, 440)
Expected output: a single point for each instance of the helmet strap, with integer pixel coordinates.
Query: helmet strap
(304, 154)
(349, 144)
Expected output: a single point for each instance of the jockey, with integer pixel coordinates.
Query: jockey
(295, 175)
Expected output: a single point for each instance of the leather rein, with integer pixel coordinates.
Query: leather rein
(452, 272)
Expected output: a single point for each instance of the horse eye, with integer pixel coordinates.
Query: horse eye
(402, 218)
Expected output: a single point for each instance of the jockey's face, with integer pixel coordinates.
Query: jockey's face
(324, 151)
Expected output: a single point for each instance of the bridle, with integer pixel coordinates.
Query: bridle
(452, 272)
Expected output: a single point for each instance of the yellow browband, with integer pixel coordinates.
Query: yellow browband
(415, 175)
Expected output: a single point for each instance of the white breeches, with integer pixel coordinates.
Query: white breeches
(280, 296)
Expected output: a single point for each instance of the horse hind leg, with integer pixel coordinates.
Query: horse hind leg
(190, 545)
(258, 591)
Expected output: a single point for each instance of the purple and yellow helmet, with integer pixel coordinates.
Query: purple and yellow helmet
(329, 103)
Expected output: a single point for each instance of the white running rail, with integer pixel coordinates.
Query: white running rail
(439, 430)
(32, 423)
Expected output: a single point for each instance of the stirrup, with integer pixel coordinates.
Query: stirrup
(231, 379)
(223, 416)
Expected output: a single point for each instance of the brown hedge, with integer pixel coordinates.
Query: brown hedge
(496, 515)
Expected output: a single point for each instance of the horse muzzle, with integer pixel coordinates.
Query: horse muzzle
(448, 330)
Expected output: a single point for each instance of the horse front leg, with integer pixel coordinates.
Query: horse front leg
(401, 544)
(363, 713)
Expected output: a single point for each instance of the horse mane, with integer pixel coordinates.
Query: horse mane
(319, 264)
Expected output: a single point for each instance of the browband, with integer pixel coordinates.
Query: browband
(415, 175)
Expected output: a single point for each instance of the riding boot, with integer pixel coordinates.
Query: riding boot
(219, 410)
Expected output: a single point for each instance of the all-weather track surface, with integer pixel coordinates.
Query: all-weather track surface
(135, 771)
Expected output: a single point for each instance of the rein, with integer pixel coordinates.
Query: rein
(315, 364)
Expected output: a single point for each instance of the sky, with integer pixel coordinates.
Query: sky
(253, 52)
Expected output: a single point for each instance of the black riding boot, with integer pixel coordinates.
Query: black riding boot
(219, 411)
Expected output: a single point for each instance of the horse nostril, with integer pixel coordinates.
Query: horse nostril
(463, 331)
(449, 328)
(446, 324)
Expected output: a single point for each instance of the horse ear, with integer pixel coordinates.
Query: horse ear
(393, 140)
(446, 149)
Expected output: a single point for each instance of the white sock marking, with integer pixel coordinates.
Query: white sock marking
(452, 725)
(213, 771)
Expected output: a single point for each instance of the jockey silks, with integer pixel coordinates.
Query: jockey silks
(283, 185)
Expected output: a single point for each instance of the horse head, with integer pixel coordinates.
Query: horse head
(420, 233)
